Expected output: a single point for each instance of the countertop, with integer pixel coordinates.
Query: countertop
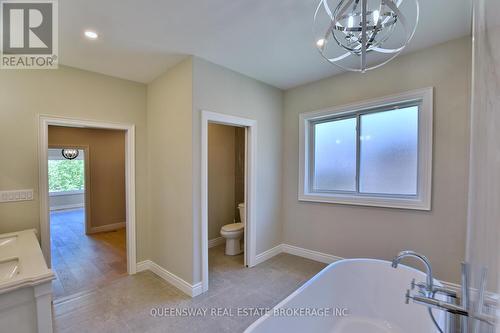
(33, 269)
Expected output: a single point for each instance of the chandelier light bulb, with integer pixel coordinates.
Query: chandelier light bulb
(360, 35)
(321, 42)
(350, 22)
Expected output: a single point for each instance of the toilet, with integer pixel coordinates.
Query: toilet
(233, 233)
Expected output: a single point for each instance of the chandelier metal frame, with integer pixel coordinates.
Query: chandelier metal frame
(359, 40)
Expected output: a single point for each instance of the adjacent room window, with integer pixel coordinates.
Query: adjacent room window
(65, 175)
(375, 153)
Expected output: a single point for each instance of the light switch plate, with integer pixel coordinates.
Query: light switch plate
(17, 195)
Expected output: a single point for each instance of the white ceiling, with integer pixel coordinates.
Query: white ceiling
(269, 40)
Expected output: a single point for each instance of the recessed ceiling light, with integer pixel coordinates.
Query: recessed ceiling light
(91, 34)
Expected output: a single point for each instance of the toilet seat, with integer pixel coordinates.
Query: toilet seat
(233, 227)
(233, 233)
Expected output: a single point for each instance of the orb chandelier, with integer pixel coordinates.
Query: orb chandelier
(360, 35)
(70, 153)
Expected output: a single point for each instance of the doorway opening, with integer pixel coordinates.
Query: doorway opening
(87, 202)
(228, 178)
(226, 196)
(86, 178)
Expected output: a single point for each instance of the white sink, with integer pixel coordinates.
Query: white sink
(22, 267)
(9, 268)
(8, 240)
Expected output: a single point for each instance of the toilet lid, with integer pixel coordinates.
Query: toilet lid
(233, 227)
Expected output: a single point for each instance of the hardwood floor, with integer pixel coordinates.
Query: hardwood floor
(83, 262)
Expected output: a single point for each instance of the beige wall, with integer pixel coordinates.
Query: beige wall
(221, 90)
(106, 158)
(354, 231)
(221, 177)
(168, 154)
(170, 161)
(175, 101)
(68, 92)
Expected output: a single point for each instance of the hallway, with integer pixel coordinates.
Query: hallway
(83, 262)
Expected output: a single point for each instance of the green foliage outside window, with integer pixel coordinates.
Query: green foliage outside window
(66, 175)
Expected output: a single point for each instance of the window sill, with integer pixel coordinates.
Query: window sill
(371, 201)
(63, 193)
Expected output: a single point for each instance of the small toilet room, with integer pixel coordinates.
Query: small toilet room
(226, 196)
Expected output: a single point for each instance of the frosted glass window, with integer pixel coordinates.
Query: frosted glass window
(387, 161)
(335, 155)
(374, 153)
(389, 152)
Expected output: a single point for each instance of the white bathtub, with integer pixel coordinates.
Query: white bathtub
(370, 291)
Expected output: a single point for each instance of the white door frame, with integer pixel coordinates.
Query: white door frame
(250, 183)
(43, 188)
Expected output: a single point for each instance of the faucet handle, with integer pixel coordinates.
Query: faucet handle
(415, 284)
(407, 296)
(422, 287)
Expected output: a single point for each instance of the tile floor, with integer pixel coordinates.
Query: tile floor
(83, 262)
(125, 305)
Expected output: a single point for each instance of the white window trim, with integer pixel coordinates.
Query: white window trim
(424, 181)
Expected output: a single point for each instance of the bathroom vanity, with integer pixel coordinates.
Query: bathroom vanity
(25, 285)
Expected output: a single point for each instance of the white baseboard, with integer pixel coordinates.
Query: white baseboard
(296, 251)
(266, 255)
(452, 286)
(216, 241)
(320, 257)
(142, 266)
(196, 289)
(189, 289)
(309, 254)
(67, 207)
(490, 298)
(107, 227)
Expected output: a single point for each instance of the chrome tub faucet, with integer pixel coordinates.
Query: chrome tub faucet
(427, 293)
(429, 281)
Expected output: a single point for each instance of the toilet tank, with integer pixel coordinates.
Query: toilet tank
(243, 215)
